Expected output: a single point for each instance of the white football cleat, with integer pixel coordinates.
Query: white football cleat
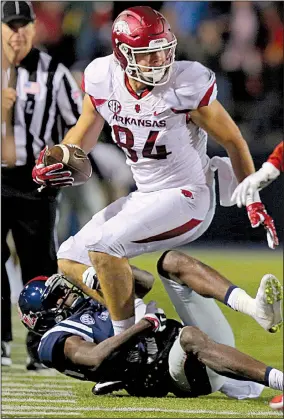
(277, 402)
(268, 303)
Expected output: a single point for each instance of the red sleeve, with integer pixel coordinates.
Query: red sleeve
(277, 158)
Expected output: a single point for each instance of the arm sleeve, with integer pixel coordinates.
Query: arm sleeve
(69, 99)
(277, 158)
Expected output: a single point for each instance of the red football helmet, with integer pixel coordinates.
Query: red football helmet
(141, 29)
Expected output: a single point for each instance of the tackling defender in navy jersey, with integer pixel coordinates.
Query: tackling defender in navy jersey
(78, 338)
(153, 357)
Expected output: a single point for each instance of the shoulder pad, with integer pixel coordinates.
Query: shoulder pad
(99, 69)
(193, 85)
(97, 80)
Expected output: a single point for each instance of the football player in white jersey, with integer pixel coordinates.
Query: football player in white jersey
(160, 112)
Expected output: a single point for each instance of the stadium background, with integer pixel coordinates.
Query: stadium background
(243, 43)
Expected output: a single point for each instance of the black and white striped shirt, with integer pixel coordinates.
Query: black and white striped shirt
(48, 101)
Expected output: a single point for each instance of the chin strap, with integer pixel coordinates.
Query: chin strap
(154, 76)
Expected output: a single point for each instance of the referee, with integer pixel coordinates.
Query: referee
(40, 100)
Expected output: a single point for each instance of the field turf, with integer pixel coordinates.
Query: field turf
(50, 394)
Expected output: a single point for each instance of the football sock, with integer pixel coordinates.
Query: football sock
(239, 300)
(274, 378)
(120, 326)
(140, 308)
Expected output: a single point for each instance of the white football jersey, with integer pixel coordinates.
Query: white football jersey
(163, 148)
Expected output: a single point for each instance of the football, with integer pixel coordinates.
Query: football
(74, 159)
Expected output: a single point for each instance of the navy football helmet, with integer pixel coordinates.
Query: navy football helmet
(38, 304)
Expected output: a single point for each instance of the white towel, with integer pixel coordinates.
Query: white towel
(226, 177)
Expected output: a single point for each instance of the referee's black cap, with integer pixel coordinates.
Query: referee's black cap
(17, 10)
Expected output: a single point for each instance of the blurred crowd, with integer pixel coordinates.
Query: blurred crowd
(242, 41)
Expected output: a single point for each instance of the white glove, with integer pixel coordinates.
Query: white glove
(55, 280)
(254, 182)
(155, 316)
(90, 278)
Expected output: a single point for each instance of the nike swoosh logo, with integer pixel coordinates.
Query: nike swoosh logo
(159, 113)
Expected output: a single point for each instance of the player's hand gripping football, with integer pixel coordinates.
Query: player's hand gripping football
(258, 216)
(51, 175)
(155, 316)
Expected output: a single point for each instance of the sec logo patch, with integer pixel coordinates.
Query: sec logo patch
(87, 319)
(114, 106)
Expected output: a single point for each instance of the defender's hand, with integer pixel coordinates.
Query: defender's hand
(254, 182)
(51, 175)
(258, 216)
(155, 316)
(90, 278)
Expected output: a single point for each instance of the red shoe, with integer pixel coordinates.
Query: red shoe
(277, 402)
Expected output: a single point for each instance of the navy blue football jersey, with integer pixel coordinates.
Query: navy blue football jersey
(92, 323)
(128, 364)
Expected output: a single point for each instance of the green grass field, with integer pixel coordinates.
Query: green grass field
(51, 394)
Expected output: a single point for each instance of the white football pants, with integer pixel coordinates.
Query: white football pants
(144, 222)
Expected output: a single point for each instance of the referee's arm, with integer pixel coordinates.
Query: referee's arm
(87, 123)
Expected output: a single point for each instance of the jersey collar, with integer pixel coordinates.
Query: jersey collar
(132, 92)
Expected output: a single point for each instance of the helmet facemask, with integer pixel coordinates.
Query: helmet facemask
(51, 311)
(57, 289)
(150, 75)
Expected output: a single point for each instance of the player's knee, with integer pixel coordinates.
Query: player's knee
(174, 265)
(105, 262)
(167, 264)
(65, 266)
(100, 260)
(108, 246)
(193, 339)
